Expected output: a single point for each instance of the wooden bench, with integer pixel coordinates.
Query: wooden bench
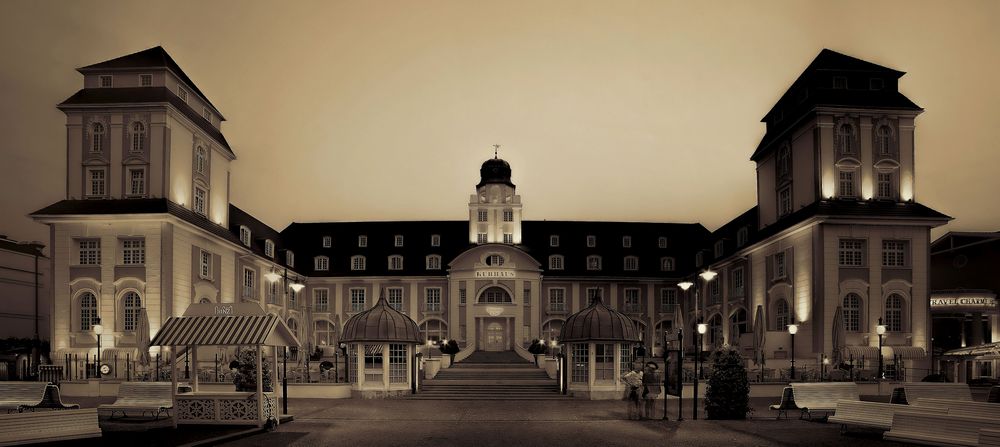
(989, 437)
(939, 429)
(145, 397)
(962, 407)
(18, 396)
(873, 415)
(786, 403)
(931, 390)
(48, 426)
(815, 397)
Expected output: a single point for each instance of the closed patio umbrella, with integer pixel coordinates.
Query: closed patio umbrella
(758, 335)
(142, 338)
(839, 335)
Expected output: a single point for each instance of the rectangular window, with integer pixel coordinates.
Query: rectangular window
(90, 251)
(668, 299)
(290, 258)
(627, 241)
(357, 300)
(713, 288)
(433, 262)
(604, 362)
(137, 182)
(105, 81)
(482, 215)
(362, 241)
(205, 269)
(847, 183)
(893, 253)
(591, 241)
(557, 300)
(435, 240)
(851, 253)
(293, 298)
(395, 263)
(527, 297)
(200, 201)
(632, 303)
(885, 185)
(631, 263)
(779, 265)
(145, 80)
(461, 296)
(840, 83)
(322, 263)
(738, 282)
(718, 249)
(97, 179)
(555, 262)
(249, 284)
(593, 293)
(876, 83)
(508, 215)
(784, 201)
(397, 363)
(272, 292)
(397, 240)
(373, 363)
(433, 299)
(554, 240)
(183, 94)
(327, 241)
(581, 363)
(133, 251)
(321, 299)
(481, 238)
(395, 298)
(207, 115)
(508, 238)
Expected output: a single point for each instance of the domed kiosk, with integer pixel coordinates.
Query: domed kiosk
(598, 342)
(380, 344)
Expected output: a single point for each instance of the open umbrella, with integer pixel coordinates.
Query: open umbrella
(839, 335)
(142, 338)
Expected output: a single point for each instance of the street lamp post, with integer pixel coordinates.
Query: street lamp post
(702, 327)
(347, 363)
(792, 329)
(880, 330)
(98, 330)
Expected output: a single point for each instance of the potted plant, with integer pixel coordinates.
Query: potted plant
(727, 395)
(450, 348)
(245, 372)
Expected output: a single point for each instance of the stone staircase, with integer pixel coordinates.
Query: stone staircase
(491, 376)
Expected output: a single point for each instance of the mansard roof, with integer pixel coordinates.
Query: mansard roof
(144, 95)
(155, 57)
(259, 233)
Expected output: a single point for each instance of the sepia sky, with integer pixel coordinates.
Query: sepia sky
(606, 110)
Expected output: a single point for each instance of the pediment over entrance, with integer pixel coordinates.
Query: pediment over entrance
(483, 258)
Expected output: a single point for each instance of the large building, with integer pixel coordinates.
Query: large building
(147, 223)
(24, 288)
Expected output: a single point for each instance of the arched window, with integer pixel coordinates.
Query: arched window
(715, 330)
(200, 160)
(269, 248)
(434, 330)
(556, 262)
(631, 263)
(495, 295)
(245, 235)
(131, 304)
(88, 311)
(138, 136)
(358, 262)
(738, 324)
(494, 260)
(593, 262)
(845, 138)
(551, 329)
(662, 242)
(325, 333)
(782, 315)
(97, 138)
(894, 313)
(667, 264)
(784, 157)
(852, 312)
(883, 140)
(395, 262)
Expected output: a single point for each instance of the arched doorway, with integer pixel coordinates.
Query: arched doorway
(495, 337)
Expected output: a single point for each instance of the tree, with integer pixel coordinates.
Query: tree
(245, 377)
(727, 395)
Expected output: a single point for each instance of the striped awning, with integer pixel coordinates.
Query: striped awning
(859, 352)
(904, 352)
(225, 330)
(373, 349)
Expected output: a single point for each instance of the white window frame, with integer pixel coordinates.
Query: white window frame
(362, 240)
(739, 282)
(631, 266)
(593, 263)
(395, 262)
(885, 184)
(851, 253)
(553, 240)
(508, 215)
(321, 263)
(495, 260)
(435, 240)
(321, 300)
(249, 283)
(97, 183)
(668, 264)
(433, 262)
(394, 296)
(110, 81)
(136, 188)
(894, 253)
(482, 215)
(200, 159)
(137, 137)
(358, 299)
(632, 300)
(661, 242)
(432, 299)
(481, 238)
(143, 78)
(668, 299)
(358, 263)
(397, 240)
(269, 248)
(200, 203)
(591, 241)
(133, 251)
(780, 265)
(88, 251)
(327, 241)
(508, 238)
(557, 262)
(205, 265)
(245, 235)
(847, 182)
(97, 133)
(130, 311)
(289, 258)
(557, 299)
(626, 241)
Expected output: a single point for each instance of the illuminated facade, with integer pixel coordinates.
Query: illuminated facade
(147, 223)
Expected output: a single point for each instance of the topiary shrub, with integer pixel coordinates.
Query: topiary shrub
(245, 377)
(537, 347)
(727, 395)
(450, 348)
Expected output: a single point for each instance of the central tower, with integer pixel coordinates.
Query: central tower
(494, 210)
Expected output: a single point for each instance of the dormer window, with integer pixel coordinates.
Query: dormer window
(433, 262)
(591, 241)
(245, 235)
(145, 80)
(699, 259)
(327, 241)
(840, 83)
(631, 263)
(269, 248)
(362, 240)
(105, 81)
(667, 264)
(593, 262)
(395, 262)
(627, 241)
(661, 242)
(397, 240)
(718, 249)
(435, 240)
(876, 84)
(554, 240)
(741, 236)
(358, 263)
(321, 263)
(556, 262)
(290, 258)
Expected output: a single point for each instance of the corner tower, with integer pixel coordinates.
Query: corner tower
(495, 210)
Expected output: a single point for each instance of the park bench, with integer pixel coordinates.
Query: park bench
(962, 407)
(874, 415)
(145, 397)
(816, 397)
(17, 396)
(989, 437)
(939, 429)
(786, 403)
(48, 426)
(994, 396)
(912, 391)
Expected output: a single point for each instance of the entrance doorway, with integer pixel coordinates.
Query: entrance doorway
(496, 339)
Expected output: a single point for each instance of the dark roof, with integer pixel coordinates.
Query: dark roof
(259, 234)
(143, 95)
(136, 206)
(28, 248)
(815, 84)
(728, 234)
(155, 57)
(953, 240)
(381, 323)
(495, 170)
(598, 323)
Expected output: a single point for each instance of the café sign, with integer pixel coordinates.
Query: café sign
(494, 274)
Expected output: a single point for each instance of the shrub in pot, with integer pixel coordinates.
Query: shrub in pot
(245, 376)
(727, 395)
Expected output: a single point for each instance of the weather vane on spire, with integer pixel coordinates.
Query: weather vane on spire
(496, 150)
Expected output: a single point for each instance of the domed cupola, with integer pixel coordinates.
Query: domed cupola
(381, 323)
(598, 323)
(495, 170)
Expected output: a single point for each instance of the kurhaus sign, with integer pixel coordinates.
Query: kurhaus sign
(964, 302)
(494, 274)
